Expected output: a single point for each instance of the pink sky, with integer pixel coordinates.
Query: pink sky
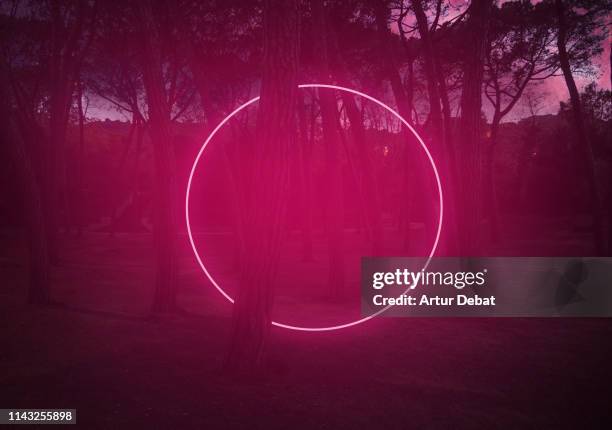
(556, 90)
(557, 86)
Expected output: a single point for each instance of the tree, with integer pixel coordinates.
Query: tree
(113, 74)
(439, 106)
(437, 32)
(590, 20)
(38, 289)
(435, 112)
(45, 48)
(470, 129)
(267, 172)
(389, 59)
(519, 53)
(596, 109)
(403, 97)
(165, 216)
(72, 28)
(533, 100)
(367, 183)
(331, 137)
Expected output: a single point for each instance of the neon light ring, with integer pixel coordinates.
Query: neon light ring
(332, 87)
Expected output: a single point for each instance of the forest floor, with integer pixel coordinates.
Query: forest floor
(103, 354)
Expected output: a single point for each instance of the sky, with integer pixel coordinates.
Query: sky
(557, 91)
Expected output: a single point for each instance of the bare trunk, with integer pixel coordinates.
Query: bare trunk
(55, 168)
(492, 204)
(333, 176)
(403, 100)
(63, 72)
(450, 160)
(368, 186)
(391, 68)
(116, 203)
(470, 154)
(413, 155)
(439, 121)
(164, 229)
(369, 182)
(79, 206)
(267, 173)
(430, 74)
(304, 166)
(38, 290)
(585, 147)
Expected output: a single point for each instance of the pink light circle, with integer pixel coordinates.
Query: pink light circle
(333, 87)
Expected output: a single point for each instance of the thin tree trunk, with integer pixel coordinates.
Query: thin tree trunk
(63, 70)
(491, 190)
(79, 186)
(267, 174)
(138, 200)
(403, 100)
(333, 172)
(414, 161)
(55, 168)
(470, 154)
(164, 228)
(450, 160)
(116, 203)
(304, 165)
(584, 143)
(407, 203)
(38, 289)
(391, 68)
(435, 112)
(369, 183)
(439, 120)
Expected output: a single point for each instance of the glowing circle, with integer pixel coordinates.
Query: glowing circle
(333, 87)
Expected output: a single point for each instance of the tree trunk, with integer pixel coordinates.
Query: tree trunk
(435, 112)
(56, 174)
(369, 182)
(450, 160)
(403, 100)
(438, 125)
(38, 290)
(267, 173)
(63, 68)
(470, 153)
(391, 68)
(584, 143)
(165, 208)
(333, 173)
(304, 166)
(119, 199)
(368, 187)
(79, 198)
(491, 190)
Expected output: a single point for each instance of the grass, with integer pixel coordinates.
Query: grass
(102, 354)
